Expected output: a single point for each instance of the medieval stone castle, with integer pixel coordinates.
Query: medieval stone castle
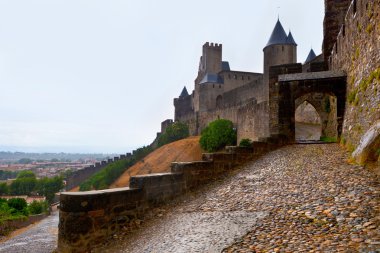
(264, 104)
(220, 92)
(241, 97)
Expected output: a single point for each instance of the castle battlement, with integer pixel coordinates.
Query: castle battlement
(212, 45)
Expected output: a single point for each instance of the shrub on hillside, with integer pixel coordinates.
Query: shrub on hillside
(217, 135)
(246, 143)
(174, 132)
(18, 205)
(38, 207)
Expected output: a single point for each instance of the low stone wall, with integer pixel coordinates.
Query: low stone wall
(11, 225)
(88, 219)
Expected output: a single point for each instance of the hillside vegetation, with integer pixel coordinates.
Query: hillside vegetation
(159, 161)
(105, 177)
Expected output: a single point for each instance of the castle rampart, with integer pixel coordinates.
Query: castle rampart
(79, 176)
(357, 52)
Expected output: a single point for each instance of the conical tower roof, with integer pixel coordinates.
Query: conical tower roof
(290, 39)
(311, 56)
(278, 35)
(184, 92)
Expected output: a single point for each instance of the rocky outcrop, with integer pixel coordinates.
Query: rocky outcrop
(369, 146)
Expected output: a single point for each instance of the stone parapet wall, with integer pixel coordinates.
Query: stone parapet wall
(88, 219)
(357, 52)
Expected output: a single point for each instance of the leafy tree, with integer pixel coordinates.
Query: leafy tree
(19, 205)
(49, 186)
(26, 174)
(4, 189)
(217, 135)
(174, 132)
(23, 186)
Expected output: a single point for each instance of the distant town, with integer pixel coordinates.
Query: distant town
(45, 164)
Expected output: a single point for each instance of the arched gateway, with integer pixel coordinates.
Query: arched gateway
(288, 88)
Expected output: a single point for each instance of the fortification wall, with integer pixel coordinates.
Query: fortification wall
(357, 51)
(182, 107)
(243, 93)
(88, 219)
(80, 176)
(253, 121)
(335, 11)
(204, 118)
(235, 79)
(208, 93)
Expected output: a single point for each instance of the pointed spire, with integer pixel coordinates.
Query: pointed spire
(184, 92)
(290, 39)
(311, 56)
(278, 35)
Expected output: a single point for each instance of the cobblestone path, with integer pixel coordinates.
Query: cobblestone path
(300, 198)
(41, 238)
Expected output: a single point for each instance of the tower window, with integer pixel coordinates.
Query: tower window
(242, 78)
(282, 47)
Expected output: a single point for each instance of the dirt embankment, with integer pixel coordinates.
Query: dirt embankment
(159, 161)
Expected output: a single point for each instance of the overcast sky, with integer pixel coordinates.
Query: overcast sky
(101, 75)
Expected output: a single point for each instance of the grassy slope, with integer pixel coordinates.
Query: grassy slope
(159, 161)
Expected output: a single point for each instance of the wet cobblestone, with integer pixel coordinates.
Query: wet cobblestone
(300, 198)
(41, 238)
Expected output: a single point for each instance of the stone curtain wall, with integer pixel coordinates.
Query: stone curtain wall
(335, 12)
(357, 51)
(253, 121)
(80, 176)
(88, 219)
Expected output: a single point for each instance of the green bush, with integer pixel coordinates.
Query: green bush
(4, 189)
(18, 205)
(38, 207)
(175, 132)
(247, 143)
(217, 135)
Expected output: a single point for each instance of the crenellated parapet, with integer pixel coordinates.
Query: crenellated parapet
(79, 176)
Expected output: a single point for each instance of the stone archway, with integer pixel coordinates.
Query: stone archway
(284, 90)
(325, 105)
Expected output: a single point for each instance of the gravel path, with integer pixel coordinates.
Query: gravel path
(300, 198)
(41, 238)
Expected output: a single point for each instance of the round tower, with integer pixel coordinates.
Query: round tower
(280, 49)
